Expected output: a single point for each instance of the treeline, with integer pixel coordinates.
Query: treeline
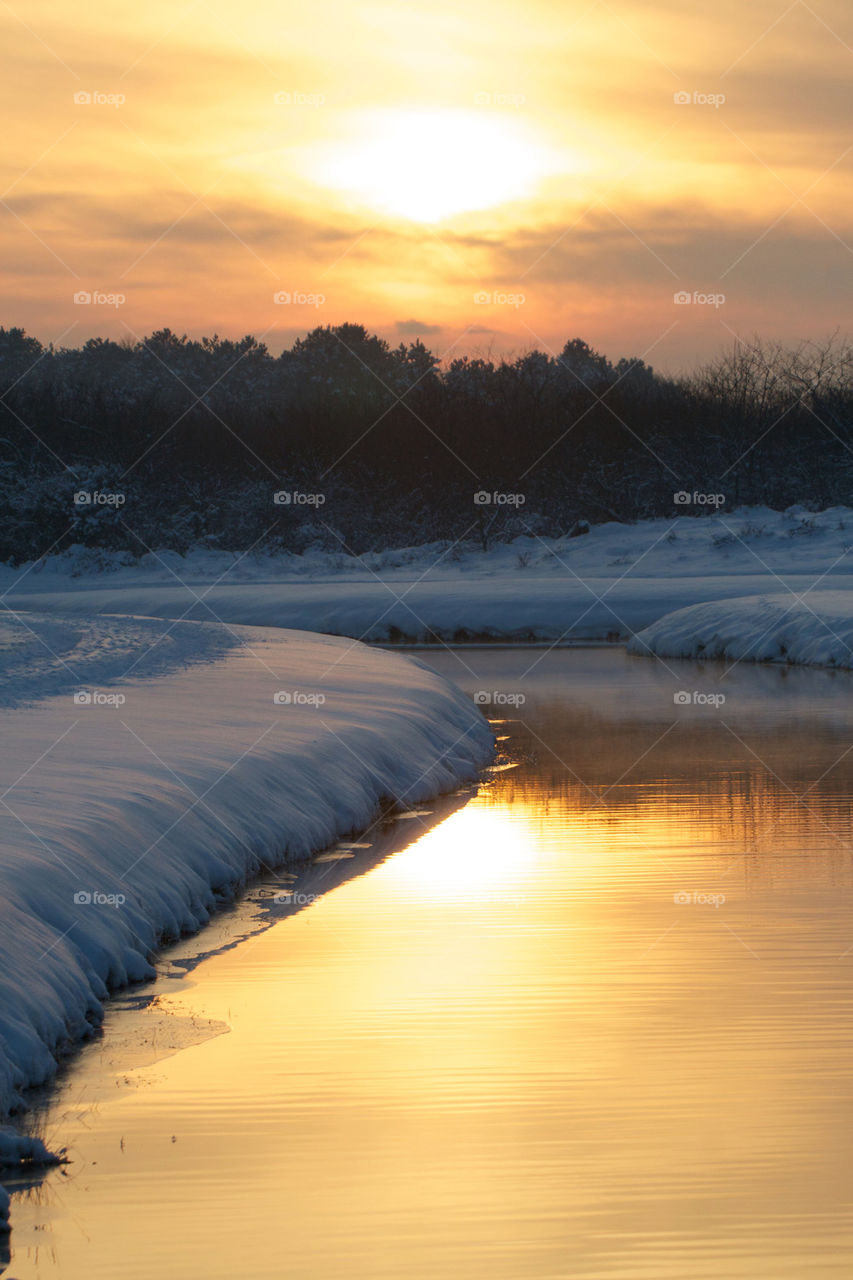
(180, 443)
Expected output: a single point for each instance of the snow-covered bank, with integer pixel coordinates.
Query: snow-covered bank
(816, 631)
(608, 583)
(129, 807)
(516, 608)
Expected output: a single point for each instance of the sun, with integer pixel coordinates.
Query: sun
(430, 165)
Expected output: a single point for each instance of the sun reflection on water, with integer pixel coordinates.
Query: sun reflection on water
(598, 1023)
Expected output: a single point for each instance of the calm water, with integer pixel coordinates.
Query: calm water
(596, 1021)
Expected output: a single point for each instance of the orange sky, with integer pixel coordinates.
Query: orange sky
(484, 175)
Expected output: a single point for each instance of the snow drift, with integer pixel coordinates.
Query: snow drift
(814, 631)
(130, 807)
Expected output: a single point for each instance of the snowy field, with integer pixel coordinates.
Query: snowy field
(608, 583)
(145, 779)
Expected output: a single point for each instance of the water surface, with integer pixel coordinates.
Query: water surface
(596, 1022)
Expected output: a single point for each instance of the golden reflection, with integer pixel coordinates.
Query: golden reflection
(476, 851)
(598, 1022)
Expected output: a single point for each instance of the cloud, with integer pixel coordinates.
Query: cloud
(417, 327)
(197, 200)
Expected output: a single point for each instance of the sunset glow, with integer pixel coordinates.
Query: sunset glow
(399, 160)
(427, 166)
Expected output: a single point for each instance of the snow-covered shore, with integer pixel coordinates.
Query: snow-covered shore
(815, 631)
(125, 816)
(607, 584)
(516, 608)
(130, 806)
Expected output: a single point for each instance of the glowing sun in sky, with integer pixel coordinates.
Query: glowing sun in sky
(427, 165)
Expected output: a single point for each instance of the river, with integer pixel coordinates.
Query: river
(593, 1019)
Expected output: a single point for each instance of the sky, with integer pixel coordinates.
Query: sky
(658, 179)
